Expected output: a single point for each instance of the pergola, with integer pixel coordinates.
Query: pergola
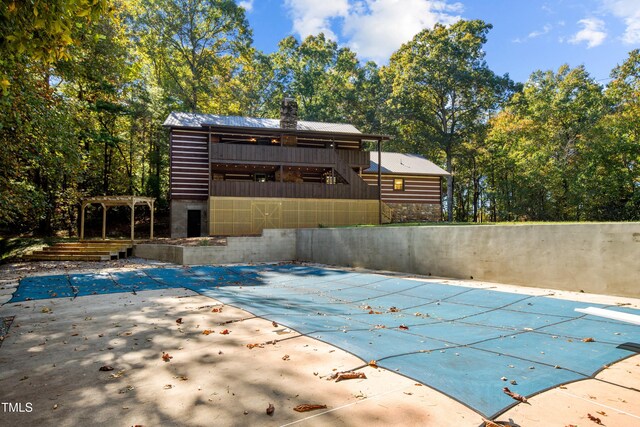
(108, 201)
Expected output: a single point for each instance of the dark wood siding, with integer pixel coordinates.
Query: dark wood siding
(417, 189)
(189, 164)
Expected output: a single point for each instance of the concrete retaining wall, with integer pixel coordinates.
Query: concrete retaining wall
(272, 246)
(597, 258)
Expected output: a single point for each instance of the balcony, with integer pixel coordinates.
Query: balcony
(308, 190)
(276, 154)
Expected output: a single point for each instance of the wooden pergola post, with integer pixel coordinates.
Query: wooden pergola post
(133, 207)
(83, 206)
(151, 206)
(104, 221)
(107, 201)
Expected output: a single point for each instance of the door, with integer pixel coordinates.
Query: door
(265, 215)
(193, 222)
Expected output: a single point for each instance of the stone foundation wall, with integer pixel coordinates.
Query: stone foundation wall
(179, 210)
(415, 212)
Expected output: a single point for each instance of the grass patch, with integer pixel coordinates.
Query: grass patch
(13, 247)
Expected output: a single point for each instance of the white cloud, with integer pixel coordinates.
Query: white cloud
(372, 28)
(546, 29)
(246, 4)
(538, 33)
(629, 12)
(382, 26)
(593, 32)
(312, 17)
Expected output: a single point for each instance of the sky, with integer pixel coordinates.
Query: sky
(527, 35)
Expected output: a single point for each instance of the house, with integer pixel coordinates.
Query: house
(238, 175)
(411, 186)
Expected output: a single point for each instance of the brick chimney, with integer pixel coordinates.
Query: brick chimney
(289, 114)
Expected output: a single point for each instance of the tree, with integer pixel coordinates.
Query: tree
(548, 137)
(442, 90)
(319, 74)
(613, 168)
(194, 47)
(42, 31)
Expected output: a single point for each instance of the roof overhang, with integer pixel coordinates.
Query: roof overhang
(261, 131)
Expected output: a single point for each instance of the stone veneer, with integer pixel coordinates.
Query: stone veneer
(415, 212)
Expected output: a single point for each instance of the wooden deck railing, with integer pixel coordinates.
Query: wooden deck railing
(310, 190)
(276, 154)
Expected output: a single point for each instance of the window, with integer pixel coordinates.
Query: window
(398, 184)
(260, 177)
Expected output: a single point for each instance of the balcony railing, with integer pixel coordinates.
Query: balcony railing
(276, 154)
(310, 190)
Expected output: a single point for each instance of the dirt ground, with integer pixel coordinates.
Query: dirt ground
(98, 360)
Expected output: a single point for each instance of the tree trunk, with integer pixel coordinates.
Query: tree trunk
(449, 188)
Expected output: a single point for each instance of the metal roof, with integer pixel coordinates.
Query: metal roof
(400, 163)
(197, 120)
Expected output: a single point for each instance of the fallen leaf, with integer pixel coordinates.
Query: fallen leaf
(393, 310)
(55, 406)
(181, 378)
(117, 374)
(595, 419)
(380, 327)
(45, 309)
(275, 325)
(513, 395)
(370, 311)
(166, 357)
(106, 368)
(250, 346)
(604, 414)
(306, 407)
(489, 423)
(589, 339)
(350, 376)
(403, 327)
(179, 320)
(373, 363)
(207, 332)
(126, 389)
(167, 386)
(270, 409)
(285, 357)
(225, 332)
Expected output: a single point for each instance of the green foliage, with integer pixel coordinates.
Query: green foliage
(195, 47)
(86, 86)
(320, 75)
(441, 91)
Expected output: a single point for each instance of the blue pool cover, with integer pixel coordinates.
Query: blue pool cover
(459, 340)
